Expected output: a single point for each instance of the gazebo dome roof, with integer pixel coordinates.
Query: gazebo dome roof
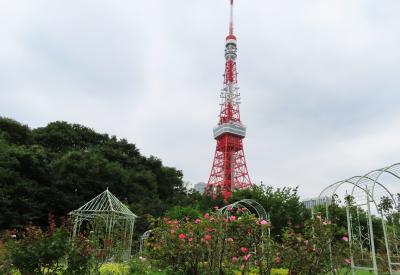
(105, 203)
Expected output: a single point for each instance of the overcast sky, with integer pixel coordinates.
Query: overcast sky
(319, 80)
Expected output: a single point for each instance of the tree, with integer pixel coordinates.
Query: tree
(59, 167)
(14, 132)
(282, 204)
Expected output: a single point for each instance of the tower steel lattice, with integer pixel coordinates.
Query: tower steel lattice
(229, 169)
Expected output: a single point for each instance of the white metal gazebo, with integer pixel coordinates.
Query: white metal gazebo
(107, 221)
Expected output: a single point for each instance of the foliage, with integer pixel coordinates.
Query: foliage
(212, 244)
(84, 256)
(181, 212)
(35, 251)
(59, 167)
(5, 260)
(14, 132)
(38, 252)
(114, 269)
(310, 253)
(142, 266)
(282, 204)
(279, 271)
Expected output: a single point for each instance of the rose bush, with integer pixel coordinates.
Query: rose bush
(311, 252)
(214, 243)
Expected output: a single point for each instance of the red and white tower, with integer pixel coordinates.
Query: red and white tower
(229, 169)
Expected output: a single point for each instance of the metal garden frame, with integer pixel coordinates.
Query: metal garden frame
(364, 194)
(143, 238)
(251, 205)
(108, 222)
(254, 207)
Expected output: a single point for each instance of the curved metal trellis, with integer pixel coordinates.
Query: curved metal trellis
(144, 237)
(251, 205)
(362, 192)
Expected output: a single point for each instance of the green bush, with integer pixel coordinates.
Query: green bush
(114, 269)
(142, 266)
(51, 252)
(179, 212)
(82, 257)
(213, 244)
(279, 271)
(39, 252)
(5, 261)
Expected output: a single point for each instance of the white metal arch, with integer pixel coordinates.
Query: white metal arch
(366, 189)
(253, 206)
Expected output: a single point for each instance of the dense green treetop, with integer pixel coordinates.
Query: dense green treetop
(57, 168)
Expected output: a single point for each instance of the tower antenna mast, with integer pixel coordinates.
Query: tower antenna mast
(231, 20)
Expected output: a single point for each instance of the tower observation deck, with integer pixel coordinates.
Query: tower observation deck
(229, 168)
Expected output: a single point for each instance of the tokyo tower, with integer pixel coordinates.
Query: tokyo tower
(229, 169)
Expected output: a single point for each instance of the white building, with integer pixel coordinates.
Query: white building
(311, 203)
(200, 187)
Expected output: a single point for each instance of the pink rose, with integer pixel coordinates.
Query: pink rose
(243, 249)
(206, 216)
(197, 221)
(232, 218)
(207, 237)
(190, 239)
(229, 240)
(216, 207)
(234, 259)
(345, 238)
(263, 222)
(347, 261)
(182, 236)
(246, 257)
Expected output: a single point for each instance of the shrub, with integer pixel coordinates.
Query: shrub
(114, 269)
(39, 252)
(51, 252)
(5, 261)
(212, 244)
(179, 212)
(141, 266)
(82, 256)
(309, 253)
(279, 271)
